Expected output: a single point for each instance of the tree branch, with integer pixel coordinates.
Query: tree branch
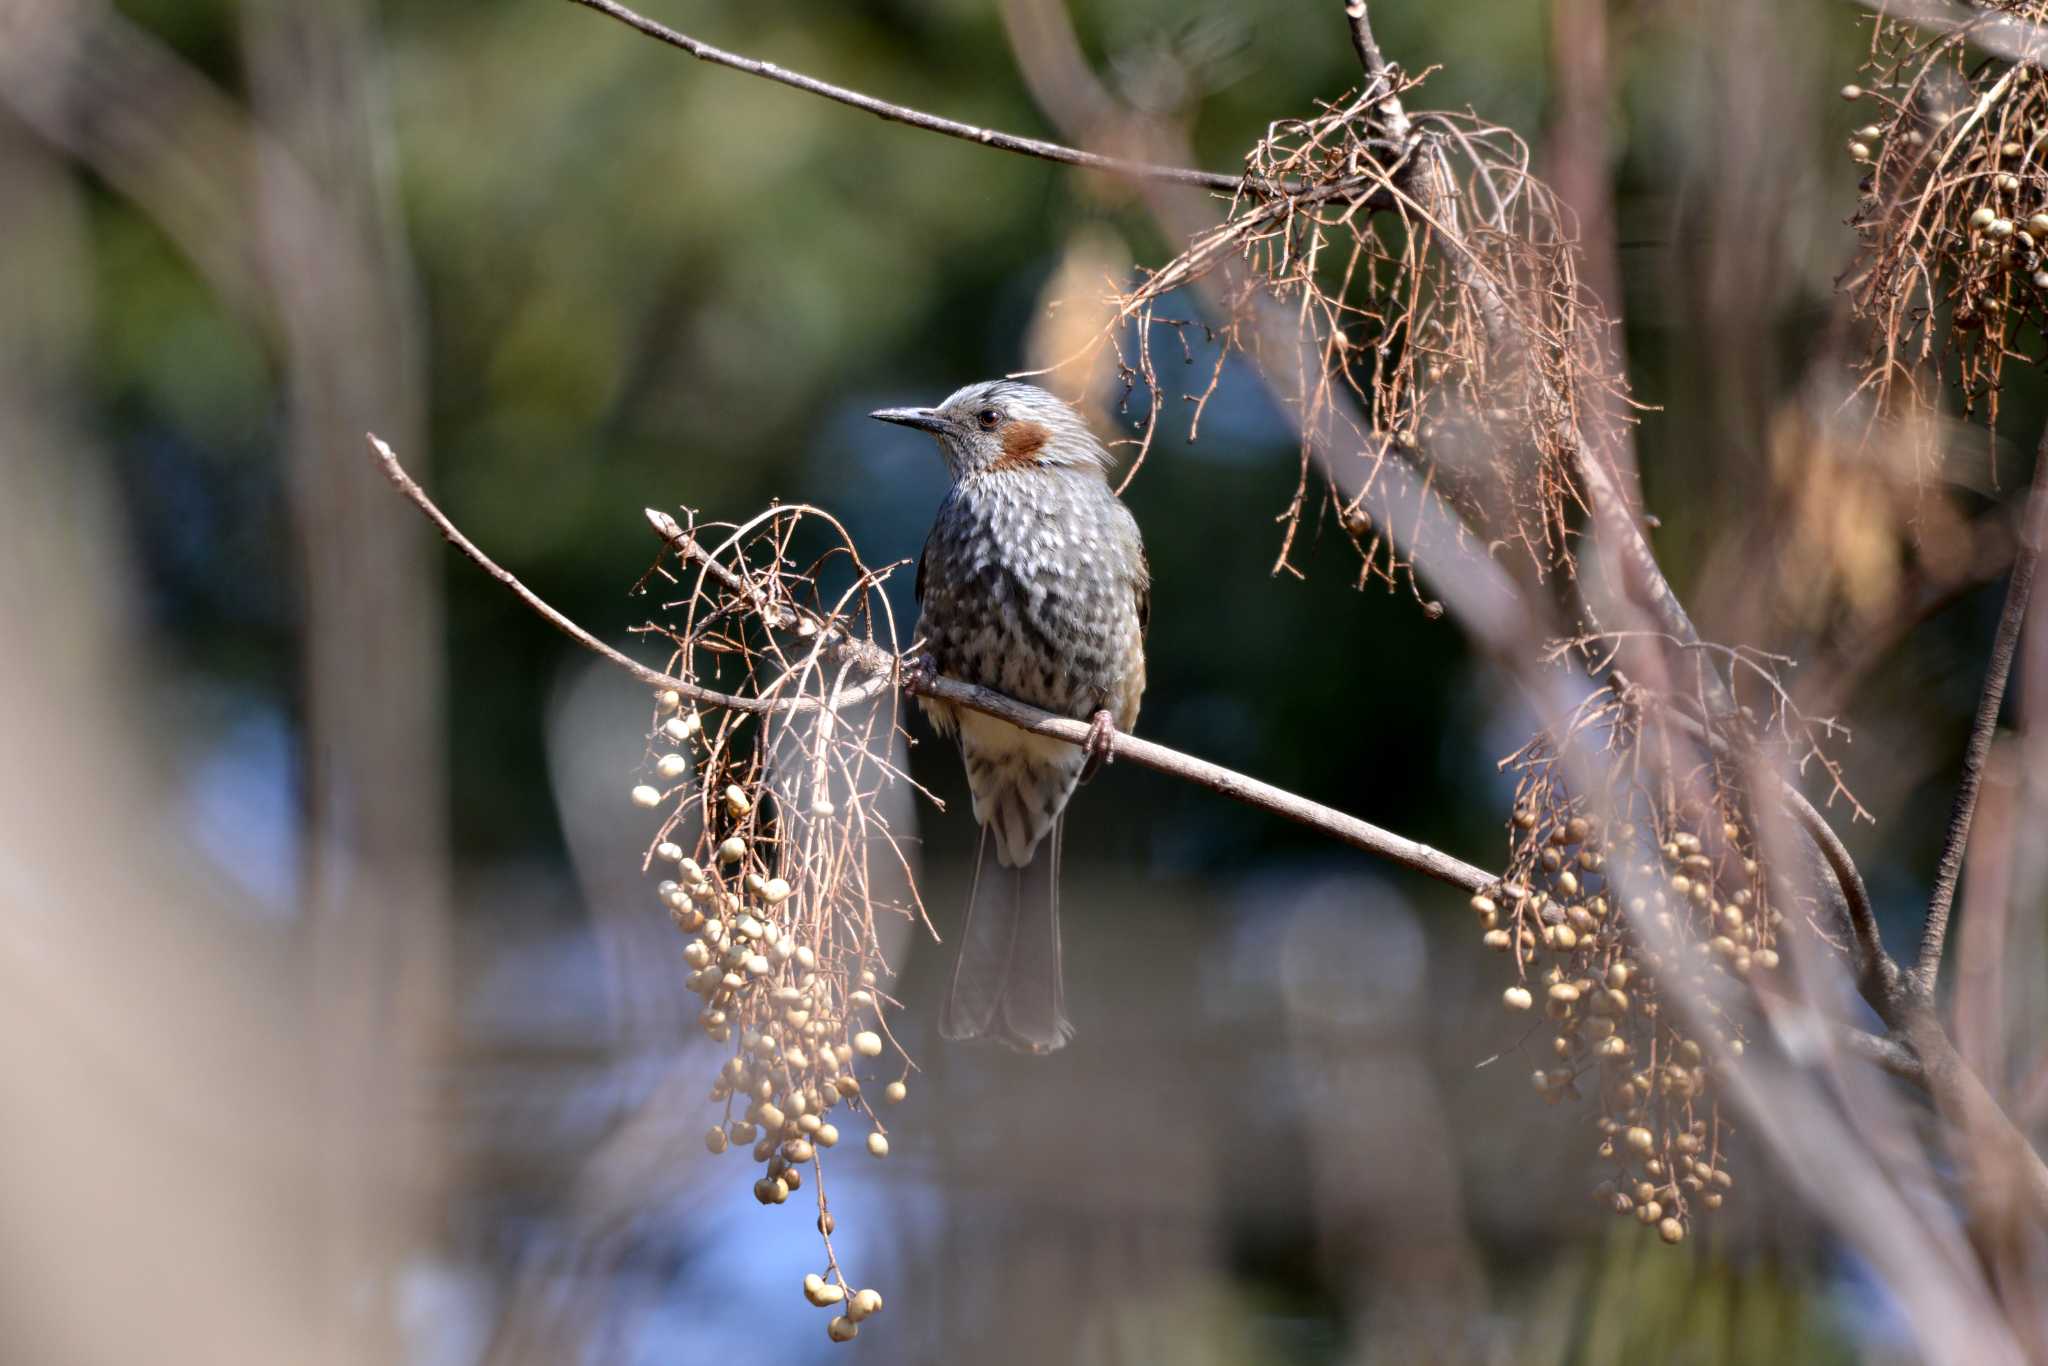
(885, 669)
(933, 123)
(2033, 524)
(1370, 58)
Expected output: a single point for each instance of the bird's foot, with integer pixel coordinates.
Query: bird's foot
(1099, 744)
(915, 674)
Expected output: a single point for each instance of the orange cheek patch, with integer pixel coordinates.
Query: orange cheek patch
(1022, 442)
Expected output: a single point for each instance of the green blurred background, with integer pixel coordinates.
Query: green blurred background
(571, 273)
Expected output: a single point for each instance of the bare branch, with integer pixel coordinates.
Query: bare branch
(1369, 55)
(933, 123)
(2033, 524)
(886, 668)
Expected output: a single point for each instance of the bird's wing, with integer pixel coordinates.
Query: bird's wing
(1144, 591)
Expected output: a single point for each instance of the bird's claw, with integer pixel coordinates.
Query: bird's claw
(1100, 743)
(915, 674)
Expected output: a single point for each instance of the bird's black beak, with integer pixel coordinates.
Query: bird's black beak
(924, 419)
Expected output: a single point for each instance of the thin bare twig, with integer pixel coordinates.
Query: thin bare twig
(654, 678)
(1219, 181)
(2033, 524)
(885, 667)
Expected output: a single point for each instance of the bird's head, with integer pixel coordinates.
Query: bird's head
(1003, 425)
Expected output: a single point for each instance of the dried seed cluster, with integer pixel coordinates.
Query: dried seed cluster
(771, 814)
(1603, 920)
(1454, 323)
(1953, 220)
(799, 1017)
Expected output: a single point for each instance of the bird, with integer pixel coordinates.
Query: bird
(1033, 582)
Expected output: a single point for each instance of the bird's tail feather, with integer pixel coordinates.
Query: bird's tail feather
(1006, 984)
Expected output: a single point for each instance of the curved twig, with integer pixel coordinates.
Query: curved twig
(1219, 181)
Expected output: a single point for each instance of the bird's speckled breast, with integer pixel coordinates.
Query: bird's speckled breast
(1032, 582)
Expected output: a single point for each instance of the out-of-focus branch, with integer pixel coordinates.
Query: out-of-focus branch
(934, 123)
(1886, 1054)
(885, 668)
(2004, 1166)
(2033, 525)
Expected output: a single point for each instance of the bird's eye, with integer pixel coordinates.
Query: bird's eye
(989, 418)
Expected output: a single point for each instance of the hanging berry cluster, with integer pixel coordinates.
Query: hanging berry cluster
(772, 815)
(1617, 908)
